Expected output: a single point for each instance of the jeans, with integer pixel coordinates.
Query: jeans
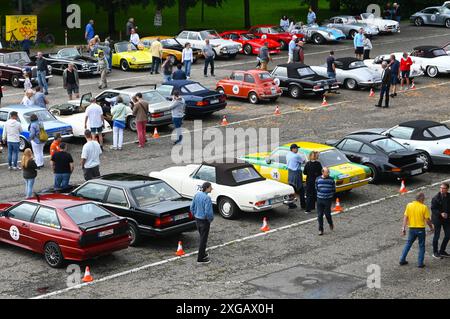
(209, 61)
(61, 180)
(38, 151)
(13, 153)
(187, 67)
(384, 91)
(331, 75)
(109, 59)
(415, 233)
(438, 224)
(42, 81)
(29, 183)
(177, 122)
(203, 226)
(324, 208)
(117, 137)
(141, 127)
(156, 62)
(311, 197)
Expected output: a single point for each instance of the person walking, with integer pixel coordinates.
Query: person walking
(394, 66)
(385, 85)
(37, 143)
(156, 50)
(202, 209)
(90, 157)
(291, 47)
(367, 47)
(29, 172)
(27, 85)
(140, 112)
(209, 55)
(102, 68)
(118, 112)
(179, 74)
(108, 53)
(295, 177)
(358, 43)
(11, 135)
(62, 165)
(311, 17)
(167, 69)
(71, 81)
(89, 31)
(27, 99)
(284, 23)
(178, 107)
(94, 115)
(55, 147)
(134, 38)
(264, 56)
(405, 69)
(40, 99)
(187, 58)
(331, 66)
(312, 170)
(440, 217)
(42, 68)
(326, 189)
(415, 216)
(93, 45)
(130, 26)
(299, 54)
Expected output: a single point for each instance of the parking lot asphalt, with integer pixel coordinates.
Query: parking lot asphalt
(291, 262)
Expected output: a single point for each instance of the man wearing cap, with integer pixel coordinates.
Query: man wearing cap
(292, 46)
(295, 176)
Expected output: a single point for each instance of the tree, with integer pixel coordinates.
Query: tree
(247, 21)
(314, 4)
(335, 5)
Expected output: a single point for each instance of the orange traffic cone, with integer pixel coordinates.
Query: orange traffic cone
(413, 86)
(87, 275)
(265, 226)
(338, 208)
(324, 101)
(155, 133)
(372, 93)
(277, 111)
(180, 251)
(403, 189)
(224, 121)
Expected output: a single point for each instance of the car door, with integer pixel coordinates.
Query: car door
(351, 148)
(280, 76)
(248, 85)
(15, 226)
(118, 202)
(193, 183)
(44, 226)
(235, 84)
(275, 167)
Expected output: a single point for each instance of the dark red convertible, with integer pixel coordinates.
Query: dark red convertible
(62, 227)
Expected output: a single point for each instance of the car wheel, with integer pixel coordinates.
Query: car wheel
(248, 49)
(447, 23)
(432, 71)
(124, 65)
(53, 255)
(23, 144)
(318, 38)
(227, 208)
(375, 173)
(220, 90)
(294, 91)
(132, 123)
(253, 98)
(418, 22)
(352, 34)
(428, 162)
(134, 234)
(15, 82)
(350, 84)
(283, 45)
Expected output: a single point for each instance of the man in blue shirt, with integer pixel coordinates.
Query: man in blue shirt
(358, 43)
(295, 177)
(179, 74)
(395, 75)
(311, 18)
(202, 210)
(292, 45)
(326, 188)
(90, 32)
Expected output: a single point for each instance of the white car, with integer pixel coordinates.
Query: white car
(434, 60)
(236, 186)
(375, 64)
(221, 47)
(383, 25)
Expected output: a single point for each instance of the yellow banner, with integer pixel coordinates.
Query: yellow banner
(20, 27)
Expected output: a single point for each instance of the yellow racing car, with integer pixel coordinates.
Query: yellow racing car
(126, 56)
(171, 47)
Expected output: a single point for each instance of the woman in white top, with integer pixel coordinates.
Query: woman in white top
(28, 98)
(367, 47)
(27, 84)
(134, 37)
(187, 58)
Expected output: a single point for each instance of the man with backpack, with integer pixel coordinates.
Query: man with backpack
(38, 138)
(299, 55)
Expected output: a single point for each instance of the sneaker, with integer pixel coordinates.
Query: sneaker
(402, 263)
(320, 233)
(421, 266)
(395, 94)
(392, 95)
(10, 168)
(119, 148)
(205, 260)
(46, 93)
(437, 256)
(206, 76)
(331, 227)
(113, 148)
(16, 168)
(307, 212)
(444, 254)
(377, 105)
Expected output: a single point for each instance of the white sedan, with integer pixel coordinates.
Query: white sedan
(236, 186)
(383, 25)
(375, 64)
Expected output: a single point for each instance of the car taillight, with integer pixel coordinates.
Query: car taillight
(191, 216)
(447, 152)
(260, 203)
(202, 103)
(159, 222)
(156, 115)
(396, 169)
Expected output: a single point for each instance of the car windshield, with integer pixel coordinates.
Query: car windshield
(20, 58)
(265, 76)
(165, 90)
(153, 97)
(43, 116)
(245, 174)
(350, 20)
(154, 193)
(388, 145)
(195, 87)
(440, 131)
(305, 71)
(209, 34)
(439, 52)
(276, 30)
(357, 64)
(332, 157)
(68, 53)
(125, 47)
(170, 42)
(87, 213)
(249, 36)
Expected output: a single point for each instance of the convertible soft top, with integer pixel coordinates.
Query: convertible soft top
(420, 124)
(426, 48)
(344, 63)
(224, 170)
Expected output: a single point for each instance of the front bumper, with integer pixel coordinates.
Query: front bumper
(140, 66)
(162, 232)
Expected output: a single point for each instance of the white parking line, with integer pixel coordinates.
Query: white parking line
(239, 240)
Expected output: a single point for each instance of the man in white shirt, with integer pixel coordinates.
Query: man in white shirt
(28, 98)
(90, 157)
(94, 114)
(134, 37)
(11, 134)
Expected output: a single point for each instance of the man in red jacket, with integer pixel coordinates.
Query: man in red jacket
(405, 69)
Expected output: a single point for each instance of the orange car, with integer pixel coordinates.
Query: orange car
(171, 47)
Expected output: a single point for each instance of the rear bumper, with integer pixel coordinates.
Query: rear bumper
(192, 110)
(269, 96)
(140, 66)
(407, 171)
(160, 121)
(157, 232)
(110, 246)
(351, 185)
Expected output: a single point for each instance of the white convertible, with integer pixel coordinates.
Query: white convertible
(433, 59)
(236, 186)
(375, 64)
(383, 25)
(221, 47)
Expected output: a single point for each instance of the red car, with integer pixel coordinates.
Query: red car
(62, 228)
(254, 85)
(274, 32)
(250, 42)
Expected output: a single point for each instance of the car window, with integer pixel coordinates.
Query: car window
(206, 173)
(165, 90)
(2, 59)
(351, 146)
(439, 52)
(430, 11)
(47, 217)
(279, 156)
(402, 132)
(183, 35)
(43, 116)
(116, 196)
(153, 97)
(125, 47)
(23, 212)
(87, 213)
(195, 87)
(388, 145)
(126, 99)
(193, 36)
(265, 76)
(332, 157)
(237, 76)
(305, 71)
(154, 193)
(234, 36)
(357, 64)
(92, 191)
(427, 134)
(440, 131)
(245, 174)
(280, 71)
(249, 78)
(366, 149)
(3, 116)
(338, 21)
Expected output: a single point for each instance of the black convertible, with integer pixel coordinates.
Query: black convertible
(85, 65)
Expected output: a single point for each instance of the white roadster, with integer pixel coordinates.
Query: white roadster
(375, 64)
(383, 25)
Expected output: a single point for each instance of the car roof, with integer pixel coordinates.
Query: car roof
(256, 72)
(127, 180)
(224, 169)
(310, 146)
(366, 138)
(346, 61)
(236, 31)
(179, 83)
(22, 108)
(59, 201)
(293, 66)
(420, 124)
(426, 48)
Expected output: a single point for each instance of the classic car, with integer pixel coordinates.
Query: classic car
(51, 124)
(275, 33)
(431, 139)
(59, 61)
(375, 64)
(352, 72)
(432, 16)
(347, 175)
(199, 100)
(254, 85)
(298, 79)
(171, 47)
(14, 63)
(150, 205)
(126, 56)
(350, 26)
(221, 47)
(237, 186)
(62, 228)
(383, 25)
(384, 156)
(319, 34)
(251, 44)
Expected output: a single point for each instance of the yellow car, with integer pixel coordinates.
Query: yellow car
(126, 56)
(171, 47)
(346, 174)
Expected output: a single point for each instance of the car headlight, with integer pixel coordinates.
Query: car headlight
(84, 65)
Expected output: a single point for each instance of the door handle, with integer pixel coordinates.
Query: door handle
(25, 225)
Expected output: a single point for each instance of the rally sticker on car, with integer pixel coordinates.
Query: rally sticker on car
(275, 174)
(14, 233)
(235, 89)
(277, 81)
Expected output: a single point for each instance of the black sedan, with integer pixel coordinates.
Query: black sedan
(298, 79)
(383, 155)
(152, 207)
(85, 65)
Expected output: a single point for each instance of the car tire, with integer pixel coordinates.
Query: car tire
(124, 65)
(23, 144)
(295, 91)
(418, 22)
(352, 34)
(134, 234)
(447, 23)
(15, 82)
(131, 123)
(253, 98)
(424, 156)
(350, 84)
(318, 38)
(220, 90)
(432, 71)
(283, 45)
(375, 173)
(228, 208)
(248, 49)
(53, 255)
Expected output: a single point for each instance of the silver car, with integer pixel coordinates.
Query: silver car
(350, 26)
(318, 35)
(432, 16)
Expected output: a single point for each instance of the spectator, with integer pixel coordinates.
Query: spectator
(440, 211)
(102, 68)
(40, 99)
(367, 47)
(187, 58)
(55, 147)
(11, 135)
(29, 172)
(201, 208)
(90, 157)
(325, 188)
(291, 47)
(177, 107)
(358, 43)
(62, 164)
(179, 74)
(89, 31)
(299, 54)
(331, 66)
(118, 112)
(1, 88)
(156, 51)
(167, 69)
(394, 66)
(42, 68)
(312, 170)
(385, 85)
(415, 216)
(71, 81)
(264, 56)
(284, 23)
(28, 98)
(130, 26)
(397, 14)
(93, 45)
(27, 84)
(26, 44)
(108, 53)
(311, 18)
(134, 38)
(140, 112)
(94, 114)
(295, 177)
(387, 11)
(37, 144)
(209, 55)
(405, 69)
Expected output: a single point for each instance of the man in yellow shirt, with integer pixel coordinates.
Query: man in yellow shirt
(416, 215)
(156, 51)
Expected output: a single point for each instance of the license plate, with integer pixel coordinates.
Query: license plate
(181, 216)
(233, 51)
(354, 179)
(326, 87)
(106, 233)
(214, 101)
(274, 91)
(416, 171)
(276, 200)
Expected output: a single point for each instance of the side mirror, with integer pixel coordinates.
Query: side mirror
(268, 160)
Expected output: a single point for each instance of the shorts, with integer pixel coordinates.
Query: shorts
(359, 50)
(405, 74)
(72, 88)
(91, 173)
(96, 130)
(394, 80)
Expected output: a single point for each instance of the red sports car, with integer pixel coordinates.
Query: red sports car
(62, 228)
(254, 85)
(274, 32)
(250, 42)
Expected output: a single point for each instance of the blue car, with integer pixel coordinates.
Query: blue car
(51, 124)
(319, 35)
(200, 101)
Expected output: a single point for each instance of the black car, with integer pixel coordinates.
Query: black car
(152, 207)
(299, 79)
(383, 155)
(85, 65)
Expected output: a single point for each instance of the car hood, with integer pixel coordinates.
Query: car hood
(138, 55)
(223, 42)
(347, 170)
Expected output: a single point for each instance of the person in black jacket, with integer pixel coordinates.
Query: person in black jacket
(440, 209)
(385, 85)
(312, 170)
(29, 171)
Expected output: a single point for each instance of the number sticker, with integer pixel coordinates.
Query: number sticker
(235, 89)
(277, 81)
(14, 233)
(433, 17)
(275, 174)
